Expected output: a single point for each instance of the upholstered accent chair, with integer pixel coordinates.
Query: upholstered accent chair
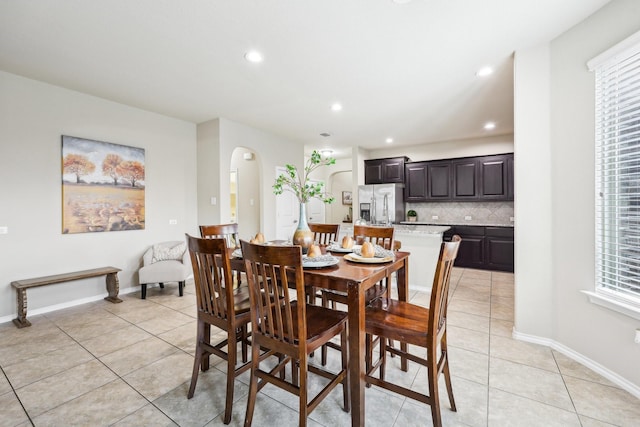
(165, 262)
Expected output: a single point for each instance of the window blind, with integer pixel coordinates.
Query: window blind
(618, 173)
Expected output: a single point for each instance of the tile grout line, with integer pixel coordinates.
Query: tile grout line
(13, 390)
(118, 377)
(566, 387)
(489, 353)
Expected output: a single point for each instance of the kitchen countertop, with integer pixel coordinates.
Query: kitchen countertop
(406, 228)
(473, 224)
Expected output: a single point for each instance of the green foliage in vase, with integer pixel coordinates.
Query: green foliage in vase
(411, 212)
(299, 184)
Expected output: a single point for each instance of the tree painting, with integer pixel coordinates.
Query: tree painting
(110, 166)
(103, 187)
(132, 171)
(77, 165)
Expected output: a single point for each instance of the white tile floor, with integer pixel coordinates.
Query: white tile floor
(129, 364)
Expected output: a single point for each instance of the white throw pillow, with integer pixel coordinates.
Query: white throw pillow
(163, 253)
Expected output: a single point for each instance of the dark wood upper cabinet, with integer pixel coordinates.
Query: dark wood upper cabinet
(373, 171)
(427, 181)
(439, 180)
(382, 171)
(494, 179)
(510, 184)
(465, 178)
(416, 181)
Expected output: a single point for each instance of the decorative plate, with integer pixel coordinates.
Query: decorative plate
(375, 260)
(340, 249)
(319, 261)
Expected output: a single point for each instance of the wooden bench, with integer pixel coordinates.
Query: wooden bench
(22, 286)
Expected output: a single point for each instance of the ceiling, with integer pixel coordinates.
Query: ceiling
(401, 71)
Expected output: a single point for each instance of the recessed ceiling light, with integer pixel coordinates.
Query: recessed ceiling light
(389, 140)
(325, 134)
(484, 72)
(253, 56)
(489, 125)
(336, 107)
(401, 1)
(326, 152)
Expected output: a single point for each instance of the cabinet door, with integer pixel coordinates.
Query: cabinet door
(465, 179)
(393, 170)
(499, 248)
(439, 180)
(499, 253)
(493, 170)
(416, 182)
(373, 172)
(471, 252)
(510, 184)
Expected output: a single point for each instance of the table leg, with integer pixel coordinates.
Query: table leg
(355, 302)
(21, 321)
(402, 281)
(113, 287)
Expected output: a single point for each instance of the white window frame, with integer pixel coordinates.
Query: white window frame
(617, 234)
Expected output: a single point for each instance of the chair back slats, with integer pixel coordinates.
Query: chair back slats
(229, 232)
(279, 326)
(324, 234)
(382, 236)
(440, 289)
(272, 271)
(212, 273)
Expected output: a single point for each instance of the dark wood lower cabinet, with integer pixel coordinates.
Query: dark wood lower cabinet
(499, 248)
(485, 248)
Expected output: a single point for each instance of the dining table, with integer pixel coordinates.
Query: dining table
(354, 278)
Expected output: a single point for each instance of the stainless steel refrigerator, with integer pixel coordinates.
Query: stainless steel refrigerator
(381, 204)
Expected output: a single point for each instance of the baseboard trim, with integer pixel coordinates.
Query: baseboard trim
(618, 380)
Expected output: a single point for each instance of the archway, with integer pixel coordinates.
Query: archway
(340, 182)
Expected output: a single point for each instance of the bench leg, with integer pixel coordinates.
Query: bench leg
(21, 321)
(113, 287)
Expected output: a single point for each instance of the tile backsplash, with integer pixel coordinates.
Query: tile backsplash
(461, 213)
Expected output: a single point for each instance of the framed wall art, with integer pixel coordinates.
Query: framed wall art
(346, 198)
(103, 187)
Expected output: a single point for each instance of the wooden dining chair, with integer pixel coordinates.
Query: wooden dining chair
(286, 326)
(325, 234)
(419, 326)
(381, 236)
(229, 232)
(221, 306)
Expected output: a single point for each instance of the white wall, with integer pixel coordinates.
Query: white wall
(209, 173)
(598, 333)
(567, 320)
(271, 151)
(449, 149)
(248, 193)
(33, 116)
(532, 204)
